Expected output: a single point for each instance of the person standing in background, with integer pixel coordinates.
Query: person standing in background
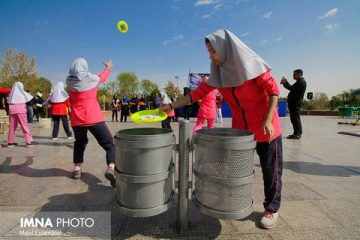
(114, 106)
(207, 110)
(176, 117)
(60, 102)
(166, 100)
(294, 99)
(134, 101)
(30, 110)
(142, 103)
(17, 114)
(124, 109)
(157, 101)
(39, 104)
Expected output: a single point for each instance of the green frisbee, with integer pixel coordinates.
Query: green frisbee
(148, 116)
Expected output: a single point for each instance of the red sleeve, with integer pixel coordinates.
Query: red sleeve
(104, 75)
(268, 83)
(200, 92)
(5, 90)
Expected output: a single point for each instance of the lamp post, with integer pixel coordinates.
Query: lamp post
(177, 81)
(103, 98)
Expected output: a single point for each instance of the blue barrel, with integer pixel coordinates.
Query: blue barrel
(282, 109)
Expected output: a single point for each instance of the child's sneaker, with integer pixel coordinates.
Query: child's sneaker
(268, 219)
(71, 138)
(109, 174)
(76, 174)
(54, 138)
(11, 145)
(30, 144)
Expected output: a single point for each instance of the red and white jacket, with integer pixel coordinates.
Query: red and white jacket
(248, 103)
(85, 108)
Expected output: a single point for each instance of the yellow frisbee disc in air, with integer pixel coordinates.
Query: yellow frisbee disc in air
(148, 116)
(122, 26)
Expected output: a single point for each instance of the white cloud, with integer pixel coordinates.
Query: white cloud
(173, 39)
(206, 16)
(278, 39)
(244, 34)
(218, 6)
(332, 26)
(263, 42)
(205, 2)
(267, 15)
(329, 13)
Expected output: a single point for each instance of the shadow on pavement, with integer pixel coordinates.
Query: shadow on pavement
(102, 198)
(25, 170)
(313, 168)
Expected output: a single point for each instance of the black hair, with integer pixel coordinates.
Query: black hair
(299, 71)
(207, 41)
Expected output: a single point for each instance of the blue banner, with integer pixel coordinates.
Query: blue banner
(195, 79)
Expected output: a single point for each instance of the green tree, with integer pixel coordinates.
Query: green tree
(41, 84)
(128, 83)
(170, 89)
(148, 87)
(320, 101)
(335, 102)
(112, 87)
(101, 93)
(354, 97)
(16, 66)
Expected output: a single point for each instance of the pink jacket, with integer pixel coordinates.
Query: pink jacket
(85, 108)
(248, 103)
(208, 105)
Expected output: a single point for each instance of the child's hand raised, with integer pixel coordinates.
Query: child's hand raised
(108, 64)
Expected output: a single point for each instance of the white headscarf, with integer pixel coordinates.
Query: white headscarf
(238, 62)
(58, 93)
(165, 97)
(80, 79)
(18, 94)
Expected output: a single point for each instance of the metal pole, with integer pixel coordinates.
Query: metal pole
(184, 138)
(177, 81)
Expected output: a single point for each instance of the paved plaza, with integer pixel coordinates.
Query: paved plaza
(320, 198)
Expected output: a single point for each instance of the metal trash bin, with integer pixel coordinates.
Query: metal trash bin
(224, 172)
(144, 171)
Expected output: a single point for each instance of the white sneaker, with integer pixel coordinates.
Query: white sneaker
(54, 139)
(268, 219)
(71, 138)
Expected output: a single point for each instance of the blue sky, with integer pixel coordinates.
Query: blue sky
(166, 37)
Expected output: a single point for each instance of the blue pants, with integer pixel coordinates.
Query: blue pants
(271, 161)
(102, 135)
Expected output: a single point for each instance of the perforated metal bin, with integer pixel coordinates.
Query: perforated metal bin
(223, 170)
(144, 171)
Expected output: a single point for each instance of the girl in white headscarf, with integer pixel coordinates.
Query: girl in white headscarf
(166, 100)
(243, 78)
(17, 114)
(86, 115)
(60, 104)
